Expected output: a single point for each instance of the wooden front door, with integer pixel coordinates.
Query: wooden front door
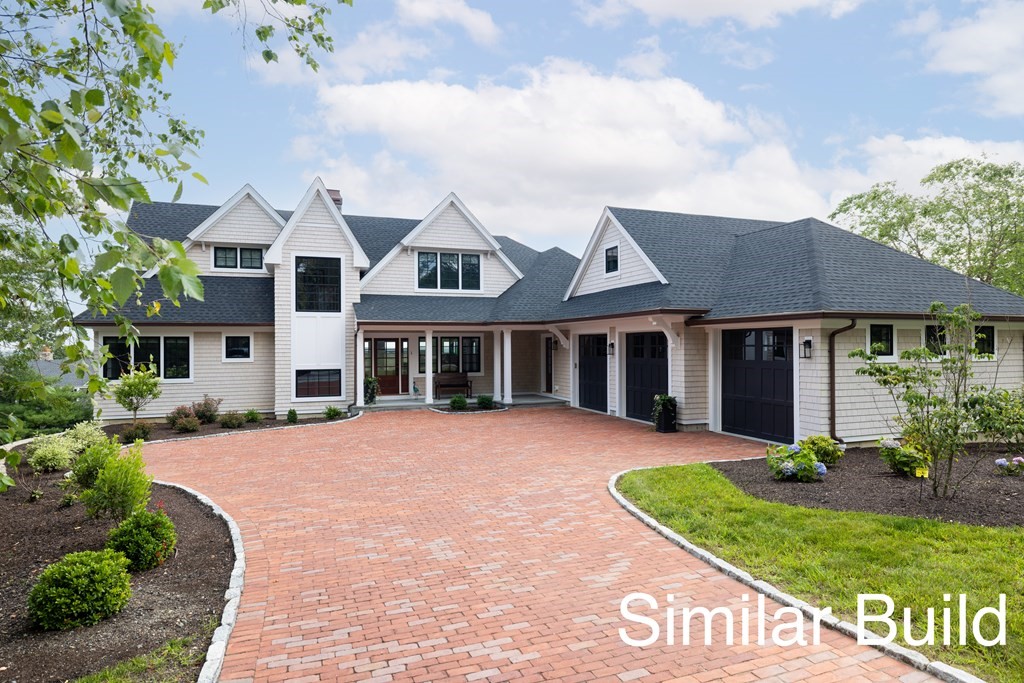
(386, 367)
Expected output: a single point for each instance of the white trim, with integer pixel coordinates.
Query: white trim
(246, 191)
(797, 343)
(407, 242)
(714, 379)
(317, 189)
(163, 355)
(224, 346)
(618, 261)
(891, 358)
(238, 269)
(607, 217)
(341, 315)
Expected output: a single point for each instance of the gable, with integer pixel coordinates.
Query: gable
(244, 223)
(318, 211)
(451, 229)
(635, 268)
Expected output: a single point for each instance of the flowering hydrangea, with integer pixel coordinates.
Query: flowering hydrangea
(890, 443)
(821, 469)
(793, 449)
(1018, 460)
(788, 469)
(1002, 462)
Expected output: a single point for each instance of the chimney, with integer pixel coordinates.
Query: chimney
(335, 196)
(46, 353)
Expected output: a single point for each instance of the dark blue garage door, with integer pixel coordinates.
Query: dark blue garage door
(757, 383)
(594, 372)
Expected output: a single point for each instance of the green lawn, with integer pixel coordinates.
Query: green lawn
(827, 557)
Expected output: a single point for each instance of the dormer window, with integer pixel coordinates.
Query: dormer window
(611, 260)
(448, 271)
(235, 258)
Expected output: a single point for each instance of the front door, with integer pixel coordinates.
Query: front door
(757, 383)
(386, 366)
(549, 364)
(646, 372)
(594, 372)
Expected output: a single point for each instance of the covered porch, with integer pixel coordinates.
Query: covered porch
(420, 366)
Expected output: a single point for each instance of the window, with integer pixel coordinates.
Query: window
(452, 354)
(441, 270)
(251, 259)
(611, 260)
(169, 356)
(225, 257)
(985, 339)
(176, 358)
(471, 271)
(317, 383)
(317, 284)
(935, 339)
(881, 341)
(237, 347)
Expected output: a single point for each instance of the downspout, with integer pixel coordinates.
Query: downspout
(832, 378)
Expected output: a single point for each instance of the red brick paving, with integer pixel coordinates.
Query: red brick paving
(426, 547)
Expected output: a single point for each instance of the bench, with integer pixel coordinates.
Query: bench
(451, 381)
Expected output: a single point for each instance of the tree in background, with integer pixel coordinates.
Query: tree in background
(969, 218)
(84, 128)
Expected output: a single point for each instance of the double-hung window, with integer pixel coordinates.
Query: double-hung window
(985, 340)
(448, 271)
(452, 354)
(882, 341)
(611, 260)
(935, 339)
(168, 355)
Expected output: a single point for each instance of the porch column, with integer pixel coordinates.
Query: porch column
(360, 369)
(428, 390)
(506, 357)
(496, 352)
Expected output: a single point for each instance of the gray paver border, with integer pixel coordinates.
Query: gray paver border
(210, 672)
(912, 657)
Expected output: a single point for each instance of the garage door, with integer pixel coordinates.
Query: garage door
(646, 372)
(594, 372)
(757, 383)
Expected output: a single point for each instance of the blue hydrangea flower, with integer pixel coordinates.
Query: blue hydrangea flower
(820, 467)
(793, 449)
(1001, 462)
(787, 469)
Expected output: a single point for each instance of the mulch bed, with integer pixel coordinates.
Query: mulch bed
(861, 481)
(163, 431)
(178, 599)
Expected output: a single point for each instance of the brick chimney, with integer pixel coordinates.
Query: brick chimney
(335, 196)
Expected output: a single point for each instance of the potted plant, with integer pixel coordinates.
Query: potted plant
(664, 414)
(371, 387)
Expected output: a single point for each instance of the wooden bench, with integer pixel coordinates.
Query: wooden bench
(451, 381)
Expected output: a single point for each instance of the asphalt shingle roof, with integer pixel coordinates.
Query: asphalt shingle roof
(227, 301)
(378, 236)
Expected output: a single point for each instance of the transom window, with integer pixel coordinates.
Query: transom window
(452, 354)
(881, 341)
(234, 258)
(611, 260)
(447, 270)
(317, 284)
(317, 383)
(170, 356)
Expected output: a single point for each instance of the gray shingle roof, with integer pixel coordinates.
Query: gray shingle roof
(378, 236)
(172, 221)
(227, 301)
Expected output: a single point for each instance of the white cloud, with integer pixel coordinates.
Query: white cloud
(648, 61)
(478, 24)
(752, 13)
(990, 47)
(922, 23)
(735, 52)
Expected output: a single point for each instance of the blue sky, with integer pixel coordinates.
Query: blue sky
(538, 114)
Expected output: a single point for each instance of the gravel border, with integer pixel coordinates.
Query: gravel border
(232, 596)
(912, 657)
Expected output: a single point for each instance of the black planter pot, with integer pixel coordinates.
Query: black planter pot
(666, 420)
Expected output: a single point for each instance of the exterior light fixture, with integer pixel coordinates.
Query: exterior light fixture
(805, 348)
(611, 348)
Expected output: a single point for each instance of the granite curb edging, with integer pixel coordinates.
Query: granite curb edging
(232, 596)
(912, 657)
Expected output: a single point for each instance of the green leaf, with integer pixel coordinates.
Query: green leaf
(95, 98)
(192, 286)
(177, 192)
(107, 260)
(199, 176)
(52, 116)
(123, 283)
(68, 244)
(21, 107)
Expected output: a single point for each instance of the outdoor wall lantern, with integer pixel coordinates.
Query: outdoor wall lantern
(611, 348)
(805, 348)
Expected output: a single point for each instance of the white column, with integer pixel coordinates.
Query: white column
(429, 389)
(360, 369)
(496, 352)
(506, 357)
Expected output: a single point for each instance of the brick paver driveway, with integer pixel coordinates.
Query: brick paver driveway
(419, 546)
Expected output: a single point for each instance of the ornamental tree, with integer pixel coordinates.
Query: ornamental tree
(137, 389)
(85, 128)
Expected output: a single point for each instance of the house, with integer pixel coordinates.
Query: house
(748, 323)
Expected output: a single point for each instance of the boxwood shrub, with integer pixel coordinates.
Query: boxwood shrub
(146, 538)
(80, 590)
